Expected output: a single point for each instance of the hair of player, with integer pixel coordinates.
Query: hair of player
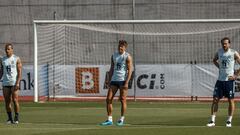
(225, 38)
(123, 42)
(8, 44)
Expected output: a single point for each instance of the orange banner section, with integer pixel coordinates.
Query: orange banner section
(87, 80)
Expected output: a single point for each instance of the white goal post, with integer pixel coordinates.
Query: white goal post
(152, 42)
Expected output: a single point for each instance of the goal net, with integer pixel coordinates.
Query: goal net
(172, 58)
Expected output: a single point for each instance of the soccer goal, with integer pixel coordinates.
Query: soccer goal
(172, 58)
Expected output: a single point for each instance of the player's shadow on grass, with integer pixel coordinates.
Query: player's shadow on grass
(65, 123)
(180, 122)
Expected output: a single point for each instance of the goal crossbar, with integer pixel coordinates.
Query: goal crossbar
(134, 21)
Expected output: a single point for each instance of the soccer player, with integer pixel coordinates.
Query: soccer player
(119, 76)
(11, 73)
(224, 60)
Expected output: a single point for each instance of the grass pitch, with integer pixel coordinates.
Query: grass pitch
(142, 118)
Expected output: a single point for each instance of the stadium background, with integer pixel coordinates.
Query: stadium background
(71, 118)
(16, 25)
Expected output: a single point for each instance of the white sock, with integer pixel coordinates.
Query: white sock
(213, 118)
(122, 118)
(229, 118)
(110, 118)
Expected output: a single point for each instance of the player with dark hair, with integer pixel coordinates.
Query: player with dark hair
(119, 77)
(11, 73)
(224, 60)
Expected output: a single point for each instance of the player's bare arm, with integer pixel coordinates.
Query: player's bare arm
(110, 73)
(1, 69)
(237, 73)
(19, 74)
(215, 60)
(130, 69)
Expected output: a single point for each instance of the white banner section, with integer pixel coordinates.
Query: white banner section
(150, 81)
(164, 80)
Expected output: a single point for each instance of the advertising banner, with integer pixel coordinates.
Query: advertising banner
(166, 80)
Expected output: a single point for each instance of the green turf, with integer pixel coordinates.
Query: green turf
(142, 118)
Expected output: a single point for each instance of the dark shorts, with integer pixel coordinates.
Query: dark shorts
(117, 83)
(8, 87)
(224, 88)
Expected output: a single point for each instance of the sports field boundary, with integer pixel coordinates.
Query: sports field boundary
(129, 98)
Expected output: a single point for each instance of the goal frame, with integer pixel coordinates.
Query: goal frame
(35, 22)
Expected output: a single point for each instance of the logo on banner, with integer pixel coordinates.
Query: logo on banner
(87, 80)
(143, 81)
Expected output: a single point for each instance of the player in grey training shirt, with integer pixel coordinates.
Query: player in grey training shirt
(119, 77)
(11, 73)
(224, 60)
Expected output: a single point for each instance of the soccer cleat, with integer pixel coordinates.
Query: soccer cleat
(228, 124)
(211, 124)
(107, 123)
(120, 123)
(9, 122)
(15, 120)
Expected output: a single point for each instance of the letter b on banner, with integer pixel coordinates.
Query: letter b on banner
(87, 80)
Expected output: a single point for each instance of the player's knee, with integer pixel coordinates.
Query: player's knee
(230, 101)
(15, 100)
(122, 99)
(7, 104)
(7, 100)
(215, 100)
(109, 101)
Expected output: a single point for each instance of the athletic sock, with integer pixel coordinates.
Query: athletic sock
(122, 118)
(110, 118)
(9, 116)
(213, 118)
(16, 116)
(229, 118)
